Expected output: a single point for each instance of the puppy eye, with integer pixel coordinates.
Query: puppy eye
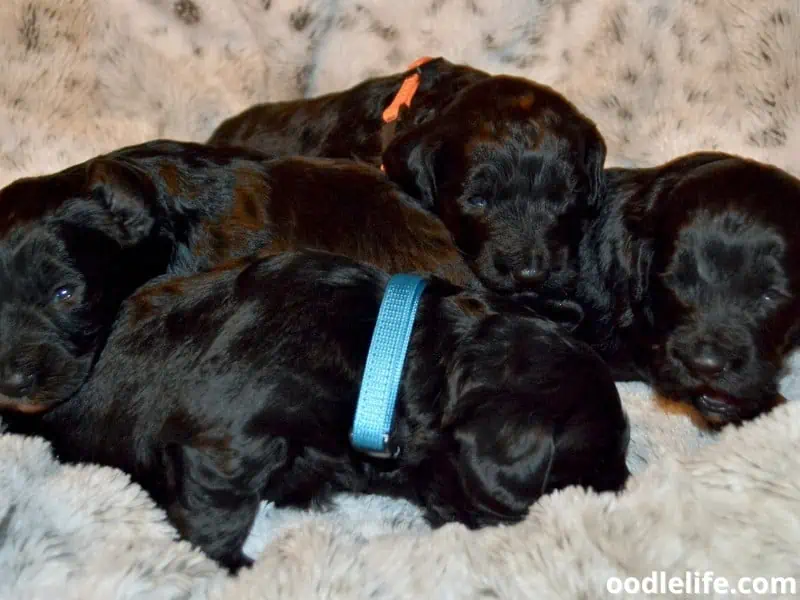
(771, 296)
(63, 294)
(477, 202)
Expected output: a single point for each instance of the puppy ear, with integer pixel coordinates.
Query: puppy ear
(412, 159)
(595, 159)
(127, 193)
(504, 457)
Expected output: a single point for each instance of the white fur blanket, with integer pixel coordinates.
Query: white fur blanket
(660, 77)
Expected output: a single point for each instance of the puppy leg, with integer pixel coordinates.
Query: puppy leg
(218, 492)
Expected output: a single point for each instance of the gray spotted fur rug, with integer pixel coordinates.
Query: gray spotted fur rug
(660, 77)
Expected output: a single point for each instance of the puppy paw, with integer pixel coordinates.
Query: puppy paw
(236, 561)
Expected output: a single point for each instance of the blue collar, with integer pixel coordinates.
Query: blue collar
(372, 424)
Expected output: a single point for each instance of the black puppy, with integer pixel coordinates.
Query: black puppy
(238, 385)
(179, 208)
(691, 280)
(509, 165)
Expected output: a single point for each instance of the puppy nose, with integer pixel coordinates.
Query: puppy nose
(530, 275)
(534, 271)
(15, 384)
(706, 360)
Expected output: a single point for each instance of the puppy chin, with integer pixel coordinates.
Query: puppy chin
(721, 410)
(27, 405)
(717, 407)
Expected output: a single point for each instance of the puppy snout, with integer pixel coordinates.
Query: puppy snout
(708, 360)
(14, 382)
(534, 269)
(705, 359)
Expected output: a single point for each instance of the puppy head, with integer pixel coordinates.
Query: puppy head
(726, 286)
(124, 192)
(66, 262)
(531, 411)
(513, 170)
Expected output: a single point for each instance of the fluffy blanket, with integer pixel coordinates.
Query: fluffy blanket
(660, 77)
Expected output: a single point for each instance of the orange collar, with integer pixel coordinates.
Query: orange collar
(406, 93)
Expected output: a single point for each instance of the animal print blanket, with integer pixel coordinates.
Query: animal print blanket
(660, 77)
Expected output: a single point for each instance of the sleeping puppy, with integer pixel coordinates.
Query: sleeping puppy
(509, 165)
(180, 208)
(220, 390)
(691, 280)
